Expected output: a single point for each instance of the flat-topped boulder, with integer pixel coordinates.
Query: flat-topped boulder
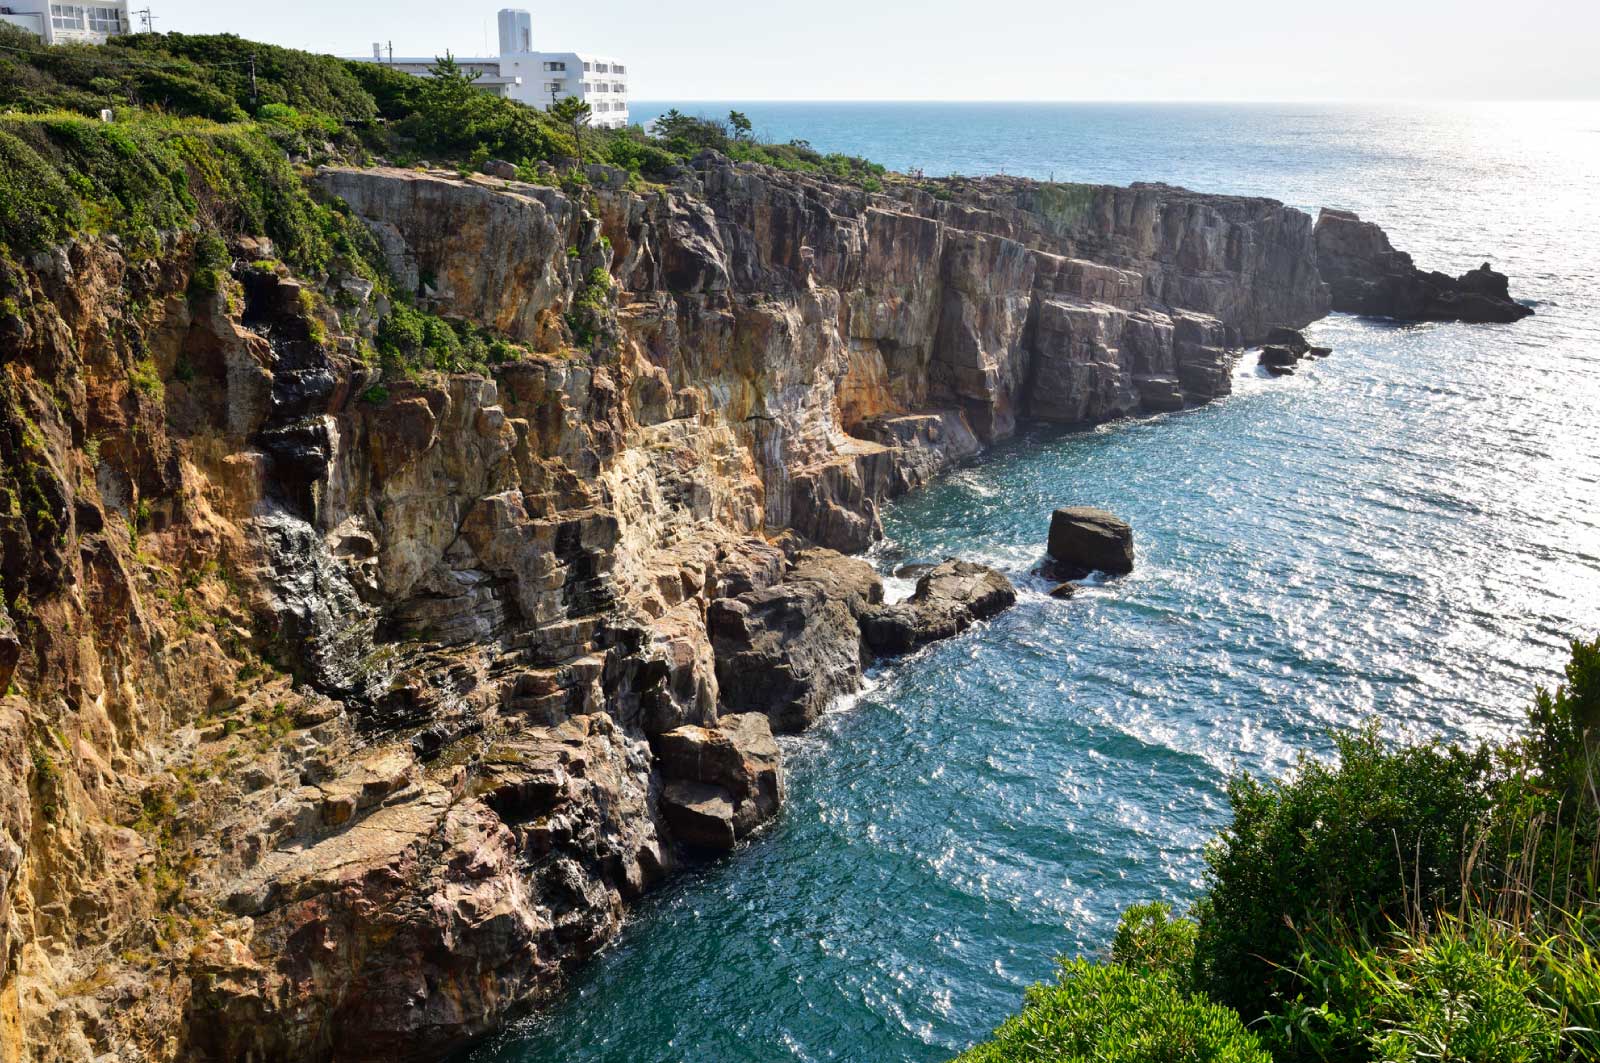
(1084, 539)
(734, 777)
(948, 600)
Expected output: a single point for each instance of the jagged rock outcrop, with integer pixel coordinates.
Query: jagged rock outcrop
(789, 649)
(949, 598)
(340, 718)
(1366, 275)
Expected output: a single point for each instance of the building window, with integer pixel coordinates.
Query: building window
(587, 67)
(555, 66)
(618, 68)
(106, 20)
(66, 16)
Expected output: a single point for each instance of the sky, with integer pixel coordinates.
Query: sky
(1006, 50)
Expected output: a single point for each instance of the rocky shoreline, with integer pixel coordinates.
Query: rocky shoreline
(376, 707)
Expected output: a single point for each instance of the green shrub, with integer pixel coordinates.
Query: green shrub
(1465, 990)
(1358, 843)
(1564, 725)
(1149, 939)
(1107, 1013)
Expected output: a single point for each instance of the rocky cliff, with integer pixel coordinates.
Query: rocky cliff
(1366, 275)
(341, 717)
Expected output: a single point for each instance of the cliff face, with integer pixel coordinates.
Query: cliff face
(340, 720)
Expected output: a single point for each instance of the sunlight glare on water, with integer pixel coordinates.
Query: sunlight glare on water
(1409, 530)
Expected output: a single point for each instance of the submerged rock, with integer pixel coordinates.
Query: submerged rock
(947, 601)
(1084, 539)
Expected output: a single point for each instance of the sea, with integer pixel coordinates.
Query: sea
(1405, 535)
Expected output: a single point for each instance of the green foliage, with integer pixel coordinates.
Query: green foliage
(1467, 989)
(589, 316)
(139, 179)
(412, 341)
(1564, 725)
(1108, 1013)
(38, 208)
(47, 781)
(1149, 939)
(445, 116)
(1367, 839)
(146, 379)
(210, 264)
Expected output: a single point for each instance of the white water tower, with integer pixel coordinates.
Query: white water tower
(516, 32)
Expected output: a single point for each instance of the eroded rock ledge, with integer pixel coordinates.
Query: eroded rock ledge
(339, 722)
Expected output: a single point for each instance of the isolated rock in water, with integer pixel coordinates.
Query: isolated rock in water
(790, 649)
(1290, 339)
(1064, 590)
(1366, 275)
(739, 759)
(1277, 356)
(1084, 539)
(947, 601)
(1319, 352)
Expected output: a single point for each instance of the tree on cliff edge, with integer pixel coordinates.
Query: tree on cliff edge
(573, 112)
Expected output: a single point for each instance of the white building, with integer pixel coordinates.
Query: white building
(68, 23)
(538, 78)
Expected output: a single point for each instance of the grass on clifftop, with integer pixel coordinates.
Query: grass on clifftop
(318, 107)
(1400, 904)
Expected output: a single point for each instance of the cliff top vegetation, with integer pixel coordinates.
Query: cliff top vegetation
(177, 99)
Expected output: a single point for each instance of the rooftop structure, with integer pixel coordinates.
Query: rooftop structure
(68, 23)
(537, 78)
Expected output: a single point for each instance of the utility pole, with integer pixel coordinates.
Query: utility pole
(254, 100)
(146, 19)
(391, 53)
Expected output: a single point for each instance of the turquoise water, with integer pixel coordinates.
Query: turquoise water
(1408, 530)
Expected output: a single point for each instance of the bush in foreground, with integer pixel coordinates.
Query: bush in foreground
(1108, 1013)
(1399, 904)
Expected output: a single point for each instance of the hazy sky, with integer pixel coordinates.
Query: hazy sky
(1006, 50)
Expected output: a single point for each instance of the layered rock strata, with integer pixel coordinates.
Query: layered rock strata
(340, 719)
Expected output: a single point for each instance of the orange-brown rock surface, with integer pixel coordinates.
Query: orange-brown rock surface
(339, 721)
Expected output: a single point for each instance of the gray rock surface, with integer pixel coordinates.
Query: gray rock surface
(947, 601)
(737, 759)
